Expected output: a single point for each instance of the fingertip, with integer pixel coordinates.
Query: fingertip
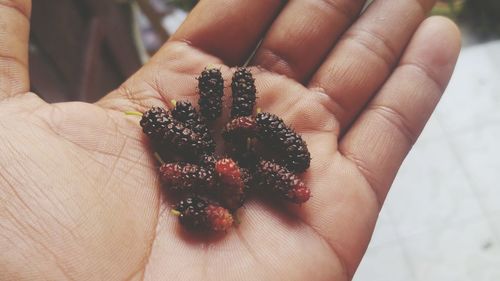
(443, 34)
(435, 47)
(447, 28)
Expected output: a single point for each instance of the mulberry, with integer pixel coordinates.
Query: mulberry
(293, 149)
(184, 140)
(234, 183)
(247, 155)
(239, 130)
(185, 112)
(213, 188)
(186, 177)
(282, 182)
(239, 135)
(208, 161)
(166, 134)
(199, 214)
(154, 122)
(244, 93)
(211, 90)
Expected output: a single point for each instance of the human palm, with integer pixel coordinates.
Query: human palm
(80, 196)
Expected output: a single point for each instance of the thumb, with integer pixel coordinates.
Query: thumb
(14, 38)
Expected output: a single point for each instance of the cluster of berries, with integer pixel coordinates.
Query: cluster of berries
(214, 187)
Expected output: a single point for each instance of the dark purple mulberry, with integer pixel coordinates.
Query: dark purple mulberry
(199, 214)
(168, 134)
(281, 182)
(211, 90)
(292, 148)
(187, 177)
(207, 161)
(244, 93)
(185, 112)
(247, 155)
(239, 135)
(154, 122)
(184, 140)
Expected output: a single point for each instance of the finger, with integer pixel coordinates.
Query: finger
(348, 198)
(14, 36)
(228, 29)
(303, 34)
(385, 132)
(366, 55)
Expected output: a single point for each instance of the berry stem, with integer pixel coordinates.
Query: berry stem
(175, 212)
(237, 220)
(174, 103)
(134, 113)
(252, 55)
(158, 157)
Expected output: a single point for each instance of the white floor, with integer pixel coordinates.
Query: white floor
(441, 220)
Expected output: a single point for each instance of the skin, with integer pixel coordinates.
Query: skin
(79, 192)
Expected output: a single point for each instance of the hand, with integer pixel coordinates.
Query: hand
(80, 197)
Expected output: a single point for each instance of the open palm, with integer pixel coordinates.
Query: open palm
(79, 192)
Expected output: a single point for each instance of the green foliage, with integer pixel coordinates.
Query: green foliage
(448, 8)
(483, 16)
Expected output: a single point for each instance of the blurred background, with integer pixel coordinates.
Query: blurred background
(441, 220)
